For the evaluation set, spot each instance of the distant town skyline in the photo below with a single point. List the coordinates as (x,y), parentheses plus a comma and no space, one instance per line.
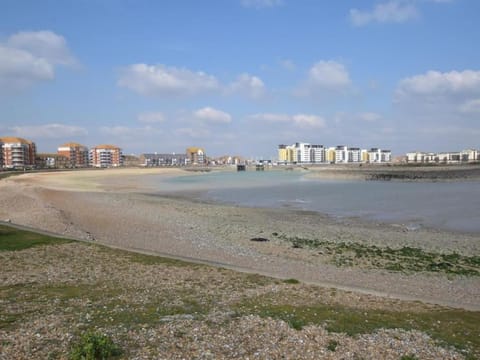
(240,77)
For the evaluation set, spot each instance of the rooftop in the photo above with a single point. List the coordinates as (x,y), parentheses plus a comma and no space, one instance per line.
(72,144)
(15,140)
(106,146)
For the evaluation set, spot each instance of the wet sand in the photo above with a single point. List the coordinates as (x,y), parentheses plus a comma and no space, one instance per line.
(114,207)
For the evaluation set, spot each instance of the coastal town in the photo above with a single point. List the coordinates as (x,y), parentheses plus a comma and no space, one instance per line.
(20,153)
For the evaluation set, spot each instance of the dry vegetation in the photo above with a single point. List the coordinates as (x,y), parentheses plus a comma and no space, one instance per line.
(53,292)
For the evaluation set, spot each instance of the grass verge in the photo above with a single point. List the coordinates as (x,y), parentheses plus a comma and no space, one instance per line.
(12,239)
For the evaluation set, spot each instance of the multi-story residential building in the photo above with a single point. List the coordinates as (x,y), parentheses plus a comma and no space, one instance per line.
(76,154)
(301,153)
(17,152)
(385,156)
(105,156)
(354,155)
(470,155)
(330,155)
(317,153)
(374,155)
(163,159)
(364,155)
(196,156)
(341,154)
(283,151)
(286,154)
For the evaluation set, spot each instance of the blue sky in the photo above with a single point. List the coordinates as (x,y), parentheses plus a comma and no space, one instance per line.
(241,76)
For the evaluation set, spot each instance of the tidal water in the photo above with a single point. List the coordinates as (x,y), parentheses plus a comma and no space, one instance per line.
(446,205)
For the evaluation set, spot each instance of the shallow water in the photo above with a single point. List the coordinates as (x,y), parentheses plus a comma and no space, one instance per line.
(446,205)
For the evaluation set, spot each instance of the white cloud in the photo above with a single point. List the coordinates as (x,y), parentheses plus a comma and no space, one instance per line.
(326,78)
(329,75)
(298,120)
(151,117)
(394,11)
(43,44)
(470,106)
(19,68)
(250,85)
(48,131)
(258,4)
(438,84)
(163,80)
(30,57)
(211,115)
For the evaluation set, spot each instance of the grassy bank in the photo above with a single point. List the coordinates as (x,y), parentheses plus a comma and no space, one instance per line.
(54,291)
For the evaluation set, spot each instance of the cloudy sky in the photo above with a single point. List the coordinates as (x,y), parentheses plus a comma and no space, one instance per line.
(241,76)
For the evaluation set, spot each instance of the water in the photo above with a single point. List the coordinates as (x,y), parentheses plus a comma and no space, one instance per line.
(446,205)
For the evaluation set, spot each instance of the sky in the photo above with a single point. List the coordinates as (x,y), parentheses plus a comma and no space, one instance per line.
(240,77)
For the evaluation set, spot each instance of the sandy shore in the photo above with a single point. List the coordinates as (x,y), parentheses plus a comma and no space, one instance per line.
(112,207)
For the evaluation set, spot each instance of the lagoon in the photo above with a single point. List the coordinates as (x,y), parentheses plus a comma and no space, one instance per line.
(445,205)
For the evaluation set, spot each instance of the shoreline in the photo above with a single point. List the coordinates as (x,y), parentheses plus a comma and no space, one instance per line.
(125,218)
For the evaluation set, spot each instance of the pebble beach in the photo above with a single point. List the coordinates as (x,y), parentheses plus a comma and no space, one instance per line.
(113,207)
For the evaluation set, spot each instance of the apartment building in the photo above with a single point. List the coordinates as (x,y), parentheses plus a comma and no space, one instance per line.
(286,154)
(17,153)
(341,154)
(105,156)
(76,154)
(354,155)
(196,156)
(465,156)
(156,159)
(317,153)
(376,155)
(301,153)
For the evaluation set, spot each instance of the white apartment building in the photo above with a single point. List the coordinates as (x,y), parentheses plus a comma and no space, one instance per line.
(302,151)
(318,154)
(374,155)
(341,154)
(354,155)
(470,155)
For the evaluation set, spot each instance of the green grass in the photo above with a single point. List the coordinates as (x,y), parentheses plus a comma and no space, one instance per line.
(291,281)
(93,345)
(408,357)
(12,239)
(6,174)
(458,328)
(406,259)
(332,345)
